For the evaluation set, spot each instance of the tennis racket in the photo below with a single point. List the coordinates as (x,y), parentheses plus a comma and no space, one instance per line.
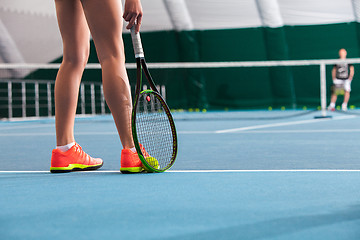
(153,127)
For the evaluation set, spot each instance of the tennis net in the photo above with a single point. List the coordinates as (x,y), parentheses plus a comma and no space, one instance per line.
(192,90)
(27,90)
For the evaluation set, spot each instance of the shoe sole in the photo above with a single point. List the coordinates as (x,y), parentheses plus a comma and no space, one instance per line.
(75,168)
(131,170)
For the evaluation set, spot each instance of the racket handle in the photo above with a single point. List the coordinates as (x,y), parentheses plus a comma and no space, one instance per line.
(136,40)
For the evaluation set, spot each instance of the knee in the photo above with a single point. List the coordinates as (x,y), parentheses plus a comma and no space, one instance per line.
(76,59)
(111,53)
(112,59)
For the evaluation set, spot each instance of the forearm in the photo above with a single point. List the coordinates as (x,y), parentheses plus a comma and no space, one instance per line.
(333,74)
(352,72)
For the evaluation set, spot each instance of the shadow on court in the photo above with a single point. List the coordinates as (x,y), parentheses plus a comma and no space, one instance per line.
(289,226)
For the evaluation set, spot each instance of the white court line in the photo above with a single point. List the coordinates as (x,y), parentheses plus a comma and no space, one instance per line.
(26,134)
(274,170)
(232,130)
(278,131)
(53,134)
(195,132)
(306,131)
(280,124)
(28,126)
(191,132)
(212,171)
(22,134)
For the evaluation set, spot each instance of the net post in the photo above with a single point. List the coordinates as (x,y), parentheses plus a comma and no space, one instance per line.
(49,99)
(323,91)
(163,92)
(82,98)
(37,105)
(10,100)
(92,94)
(23,99)
(102,100)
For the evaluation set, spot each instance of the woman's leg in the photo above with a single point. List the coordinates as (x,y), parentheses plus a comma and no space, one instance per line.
(75,35)
(76,43)
(105,23)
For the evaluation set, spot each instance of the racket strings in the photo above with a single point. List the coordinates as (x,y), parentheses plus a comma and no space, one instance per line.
(154,130)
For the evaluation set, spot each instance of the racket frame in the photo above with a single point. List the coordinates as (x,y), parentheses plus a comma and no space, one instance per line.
(141,67)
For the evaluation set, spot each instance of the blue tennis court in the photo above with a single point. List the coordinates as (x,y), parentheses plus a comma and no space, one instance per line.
(238,175)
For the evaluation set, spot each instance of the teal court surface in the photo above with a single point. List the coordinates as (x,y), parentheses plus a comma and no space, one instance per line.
(238,175)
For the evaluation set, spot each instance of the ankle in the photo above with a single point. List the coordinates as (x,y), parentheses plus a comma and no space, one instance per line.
(66,147)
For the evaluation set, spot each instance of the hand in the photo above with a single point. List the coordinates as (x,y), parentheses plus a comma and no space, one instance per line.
(133,14)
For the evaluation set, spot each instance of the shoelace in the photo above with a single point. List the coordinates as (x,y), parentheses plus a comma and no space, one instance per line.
(144,152)
(82,153)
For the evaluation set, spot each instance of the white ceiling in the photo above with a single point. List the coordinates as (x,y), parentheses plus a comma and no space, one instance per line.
(32,23)
(214,14)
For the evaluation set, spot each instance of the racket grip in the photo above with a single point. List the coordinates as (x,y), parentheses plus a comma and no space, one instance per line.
(136,40)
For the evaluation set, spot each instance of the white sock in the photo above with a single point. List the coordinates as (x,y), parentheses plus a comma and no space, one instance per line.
(133,149)
(332,104)
(344,105)
(65,147)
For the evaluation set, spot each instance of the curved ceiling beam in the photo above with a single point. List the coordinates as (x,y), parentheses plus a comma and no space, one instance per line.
(179,15)
(269,11)
(356,9)
(9,52)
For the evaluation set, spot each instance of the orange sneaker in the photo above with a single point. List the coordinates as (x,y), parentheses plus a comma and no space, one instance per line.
(130,162)
(75,159)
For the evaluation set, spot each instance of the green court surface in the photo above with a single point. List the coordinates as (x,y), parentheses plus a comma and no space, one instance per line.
(239,175)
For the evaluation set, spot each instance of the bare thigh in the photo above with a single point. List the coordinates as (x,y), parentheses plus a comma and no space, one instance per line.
(105,22)
(74,31)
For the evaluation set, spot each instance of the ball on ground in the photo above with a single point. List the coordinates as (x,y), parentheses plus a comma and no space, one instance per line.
(153,162)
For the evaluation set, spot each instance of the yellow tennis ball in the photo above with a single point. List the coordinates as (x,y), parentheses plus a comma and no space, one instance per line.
(270,108)
(282,108)
(153,162)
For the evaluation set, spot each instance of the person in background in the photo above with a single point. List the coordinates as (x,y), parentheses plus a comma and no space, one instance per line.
(342,75)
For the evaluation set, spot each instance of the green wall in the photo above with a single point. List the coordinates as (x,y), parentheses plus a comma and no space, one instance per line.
(253,87)
(247,88)
(240,88)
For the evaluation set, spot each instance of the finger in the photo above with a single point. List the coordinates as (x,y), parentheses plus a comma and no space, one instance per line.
(138,23)
(127,17)
(131,22)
